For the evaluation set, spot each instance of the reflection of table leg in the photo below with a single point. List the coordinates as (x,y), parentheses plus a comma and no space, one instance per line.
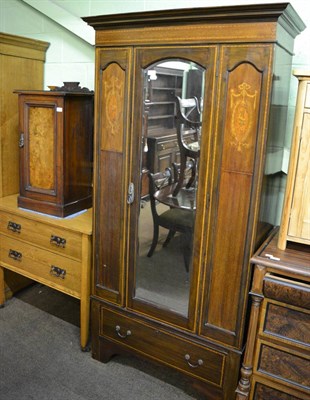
(2,288)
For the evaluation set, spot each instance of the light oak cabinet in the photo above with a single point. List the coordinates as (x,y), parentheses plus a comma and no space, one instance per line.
(55,252)
(295,222)
(192,321)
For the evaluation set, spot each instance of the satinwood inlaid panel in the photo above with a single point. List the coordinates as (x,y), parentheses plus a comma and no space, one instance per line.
(245,84)
(41,147)
(113,105)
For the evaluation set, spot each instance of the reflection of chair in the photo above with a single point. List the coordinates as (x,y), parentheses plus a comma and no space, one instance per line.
(173,219)
(186,109)
(189,173)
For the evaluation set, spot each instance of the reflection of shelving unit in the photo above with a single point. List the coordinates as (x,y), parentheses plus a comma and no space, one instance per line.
(162,97)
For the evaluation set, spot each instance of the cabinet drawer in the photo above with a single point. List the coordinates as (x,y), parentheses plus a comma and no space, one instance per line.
(287,323)
(171,144)
(287,291)
(52,238)
(193,359)
(41,265)
(277,362)
(263,392)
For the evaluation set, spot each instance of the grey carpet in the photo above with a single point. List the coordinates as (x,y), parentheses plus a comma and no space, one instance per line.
(40,358)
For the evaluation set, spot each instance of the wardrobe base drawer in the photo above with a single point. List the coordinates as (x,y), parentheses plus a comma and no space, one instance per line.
(43,266)
(191,358)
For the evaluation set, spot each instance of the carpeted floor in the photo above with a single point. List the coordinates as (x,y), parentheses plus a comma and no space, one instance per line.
(40,357)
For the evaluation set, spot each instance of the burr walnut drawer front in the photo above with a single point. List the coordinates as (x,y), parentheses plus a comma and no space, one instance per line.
(284,366)
(43,266)
(263,392)
(285,323)
(194,359)
(45,235)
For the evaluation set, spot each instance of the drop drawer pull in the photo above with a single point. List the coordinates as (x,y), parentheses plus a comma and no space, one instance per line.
(118,331)
(199,361)
(16,255)
(58,272)
(14,227)
(58,241)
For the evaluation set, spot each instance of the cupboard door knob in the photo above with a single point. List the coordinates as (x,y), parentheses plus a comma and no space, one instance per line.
(16,255)
(199,361)
(14,227)
(58,241)
(118,331)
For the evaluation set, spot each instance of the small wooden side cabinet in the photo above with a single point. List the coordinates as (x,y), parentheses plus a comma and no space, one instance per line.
(295,223)
(53,251)
(56,151)
(277,357)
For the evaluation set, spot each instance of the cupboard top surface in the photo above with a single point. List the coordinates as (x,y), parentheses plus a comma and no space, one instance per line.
(294,260)
(79,222)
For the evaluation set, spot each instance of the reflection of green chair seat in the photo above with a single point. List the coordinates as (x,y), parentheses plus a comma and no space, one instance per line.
(181,220)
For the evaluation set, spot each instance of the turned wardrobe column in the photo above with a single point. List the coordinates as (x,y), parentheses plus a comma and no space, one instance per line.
(257,297)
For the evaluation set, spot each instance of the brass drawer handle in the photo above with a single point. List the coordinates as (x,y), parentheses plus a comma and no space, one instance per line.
(58,272)
(199,361)
(14,227)
(118,331)
(58,241)
(16,255)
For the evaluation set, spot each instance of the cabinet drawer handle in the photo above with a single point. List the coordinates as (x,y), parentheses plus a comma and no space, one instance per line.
(58,272)
(16,255)
(14,227)
(118,331)
(58,241)
(199,361)
(162,147)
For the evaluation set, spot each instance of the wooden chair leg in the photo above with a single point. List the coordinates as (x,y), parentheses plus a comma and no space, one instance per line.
(181,175)
(154,242)
(169,237)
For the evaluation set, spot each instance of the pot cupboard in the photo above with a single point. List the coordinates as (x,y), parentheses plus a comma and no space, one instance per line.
(190,320)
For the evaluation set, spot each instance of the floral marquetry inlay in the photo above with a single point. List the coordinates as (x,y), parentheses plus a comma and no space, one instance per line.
(243,103)
(113,107)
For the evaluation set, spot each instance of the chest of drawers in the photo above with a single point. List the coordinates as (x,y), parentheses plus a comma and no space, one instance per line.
(277,359)
(53,251)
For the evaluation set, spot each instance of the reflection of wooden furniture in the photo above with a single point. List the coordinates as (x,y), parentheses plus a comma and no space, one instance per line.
(187,109)
(56,147)
(163,149)
(22,66)
(175,219)
(238,47)
(277,357)
(295,223)
(162,92)
(55,252)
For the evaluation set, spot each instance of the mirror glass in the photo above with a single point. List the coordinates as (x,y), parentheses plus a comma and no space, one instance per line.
(172,110)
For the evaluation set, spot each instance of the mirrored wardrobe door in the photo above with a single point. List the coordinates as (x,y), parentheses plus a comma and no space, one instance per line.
(168,129)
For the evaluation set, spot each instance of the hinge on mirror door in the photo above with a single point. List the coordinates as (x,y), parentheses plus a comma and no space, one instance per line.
(130,194)
(21,140)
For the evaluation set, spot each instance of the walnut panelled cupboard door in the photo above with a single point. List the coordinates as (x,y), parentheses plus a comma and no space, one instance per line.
(177,295)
